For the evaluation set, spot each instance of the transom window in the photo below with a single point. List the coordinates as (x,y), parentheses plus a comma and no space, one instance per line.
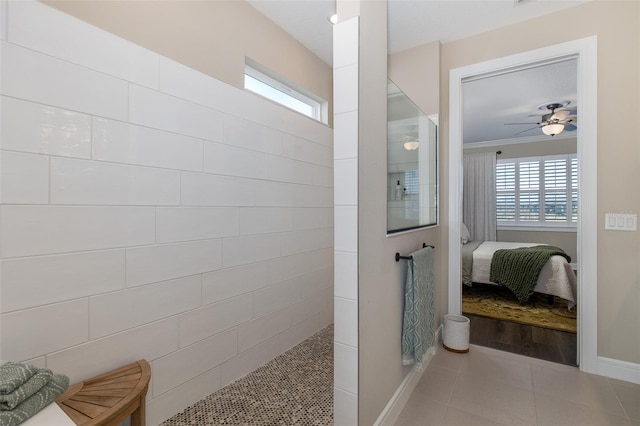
(537,192)
(266,83)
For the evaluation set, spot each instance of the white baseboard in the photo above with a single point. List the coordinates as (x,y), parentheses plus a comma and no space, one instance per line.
(397,402)
(616,369)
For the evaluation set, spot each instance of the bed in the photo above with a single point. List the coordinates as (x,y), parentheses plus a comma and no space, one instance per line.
(556,277)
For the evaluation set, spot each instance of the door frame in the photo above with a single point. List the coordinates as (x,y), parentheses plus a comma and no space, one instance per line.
(585,50)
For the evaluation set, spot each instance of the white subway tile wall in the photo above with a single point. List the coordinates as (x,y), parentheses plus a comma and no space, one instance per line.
(249,360)
(40,280)
(346,377)
(178,367)
(41,129)
(345,154)
(293,335)
(184,395)
(150,211)
(119,142)
(38,77)
(24,178)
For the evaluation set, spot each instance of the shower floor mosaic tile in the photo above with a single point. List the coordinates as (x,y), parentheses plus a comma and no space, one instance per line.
(296,388)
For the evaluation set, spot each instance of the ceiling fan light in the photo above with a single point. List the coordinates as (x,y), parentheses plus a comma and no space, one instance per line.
(552,129)
(560,115)
(411,145)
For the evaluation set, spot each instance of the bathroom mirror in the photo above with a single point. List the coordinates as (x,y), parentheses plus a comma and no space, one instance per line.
(412,164)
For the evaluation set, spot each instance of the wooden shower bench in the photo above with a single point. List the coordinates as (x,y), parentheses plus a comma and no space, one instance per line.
(109,398)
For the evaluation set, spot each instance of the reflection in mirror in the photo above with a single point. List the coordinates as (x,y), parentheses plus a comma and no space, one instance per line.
(412,187)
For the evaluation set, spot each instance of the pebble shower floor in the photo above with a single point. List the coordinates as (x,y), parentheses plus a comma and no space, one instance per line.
(295,388)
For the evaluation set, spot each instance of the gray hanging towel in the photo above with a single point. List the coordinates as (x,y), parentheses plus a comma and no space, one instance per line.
(418,333)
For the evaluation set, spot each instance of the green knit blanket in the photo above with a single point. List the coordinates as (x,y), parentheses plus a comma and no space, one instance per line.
(518,269)
(25,390)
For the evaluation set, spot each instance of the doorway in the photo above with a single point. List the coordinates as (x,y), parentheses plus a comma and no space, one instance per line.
(585,51)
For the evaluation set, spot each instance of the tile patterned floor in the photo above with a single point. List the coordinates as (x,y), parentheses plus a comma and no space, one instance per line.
(296,388)
(487,387)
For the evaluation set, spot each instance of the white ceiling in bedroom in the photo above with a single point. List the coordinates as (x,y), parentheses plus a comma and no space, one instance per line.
(490,103)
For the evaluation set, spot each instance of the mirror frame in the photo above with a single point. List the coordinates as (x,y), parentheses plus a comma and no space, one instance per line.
(406,114)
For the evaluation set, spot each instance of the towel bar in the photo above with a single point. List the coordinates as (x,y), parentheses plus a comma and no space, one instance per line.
(398,257)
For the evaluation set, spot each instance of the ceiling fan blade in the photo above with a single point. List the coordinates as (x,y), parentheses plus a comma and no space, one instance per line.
(560,115)
(517,124)
(525,131)
(569,127)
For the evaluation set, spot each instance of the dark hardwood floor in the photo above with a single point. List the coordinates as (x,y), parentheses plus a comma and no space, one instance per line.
(535,342)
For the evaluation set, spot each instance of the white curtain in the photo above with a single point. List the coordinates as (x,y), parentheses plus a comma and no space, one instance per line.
(479,196)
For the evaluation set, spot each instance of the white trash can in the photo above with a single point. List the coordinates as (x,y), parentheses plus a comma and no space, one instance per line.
(456,333)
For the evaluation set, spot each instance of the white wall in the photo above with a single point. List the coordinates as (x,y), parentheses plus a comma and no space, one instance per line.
(150,211)
(346,116)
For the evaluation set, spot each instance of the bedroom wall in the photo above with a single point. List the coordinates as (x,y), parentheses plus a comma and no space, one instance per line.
(148,210)
(565,240)
(616,25)
(210,36)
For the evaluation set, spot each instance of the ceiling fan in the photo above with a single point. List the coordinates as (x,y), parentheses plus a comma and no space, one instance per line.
(410,140)
(553,122)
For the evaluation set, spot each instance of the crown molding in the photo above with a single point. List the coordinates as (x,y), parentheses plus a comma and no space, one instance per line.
(514,141)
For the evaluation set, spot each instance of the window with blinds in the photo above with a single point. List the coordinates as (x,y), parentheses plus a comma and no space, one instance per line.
(537,191)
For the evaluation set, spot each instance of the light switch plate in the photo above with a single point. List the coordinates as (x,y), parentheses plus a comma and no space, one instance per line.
(621,221)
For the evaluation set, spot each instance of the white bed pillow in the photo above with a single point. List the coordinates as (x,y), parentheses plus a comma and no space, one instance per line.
(464,234)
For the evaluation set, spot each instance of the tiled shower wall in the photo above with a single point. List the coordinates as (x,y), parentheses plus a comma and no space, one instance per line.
(346,115)
(150,211)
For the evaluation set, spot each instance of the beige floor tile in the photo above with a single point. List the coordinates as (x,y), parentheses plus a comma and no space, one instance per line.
(493,400)
(552,411)
(446,359)
(495,352)
(421,411)
(436,383)
(578,387)
(455,417)
(629,396)
(554,366)
(492,365)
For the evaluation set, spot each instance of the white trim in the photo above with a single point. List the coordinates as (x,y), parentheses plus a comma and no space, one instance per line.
(585,50)
(408,231)
(514,141)
(455,190)
(621,370)
(400,397)
(525,228)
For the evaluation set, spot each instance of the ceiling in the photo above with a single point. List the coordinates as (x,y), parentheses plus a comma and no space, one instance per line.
(489,103)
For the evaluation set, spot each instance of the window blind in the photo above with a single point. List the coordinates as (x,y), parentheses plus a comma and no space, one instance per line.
(537,191)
